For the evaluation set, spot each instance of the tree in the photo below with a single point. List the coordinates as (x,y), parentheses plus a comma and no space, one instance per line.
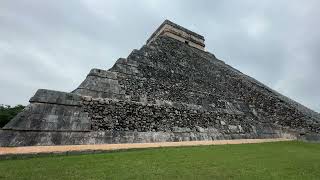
(7,113)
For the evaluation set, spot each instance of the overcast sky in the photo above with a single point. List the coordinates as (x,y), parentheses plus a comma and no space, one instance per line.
(54,44)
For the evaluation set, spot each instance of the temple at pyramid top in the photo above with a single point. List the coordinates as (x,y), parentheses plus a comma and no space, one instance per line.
(170,29)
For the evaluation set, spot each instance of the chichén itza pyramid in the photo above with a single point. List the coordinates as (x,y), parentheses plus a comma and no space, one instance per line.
(169,90)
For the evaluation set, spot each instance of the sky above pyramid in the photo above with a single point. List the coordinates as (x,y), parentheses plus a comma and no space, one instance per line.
(45,44)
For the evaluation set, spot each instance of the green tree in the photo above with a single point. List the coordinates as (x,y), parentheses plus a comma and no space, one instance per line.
(7,113)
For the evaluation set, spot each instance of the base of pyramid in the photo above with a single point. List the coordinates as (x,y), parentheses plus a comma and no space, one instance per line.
(46,138)
(59,118)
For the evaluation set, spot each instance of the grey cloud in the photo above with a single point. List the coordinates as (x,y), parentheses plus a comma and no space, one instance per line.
(50,44)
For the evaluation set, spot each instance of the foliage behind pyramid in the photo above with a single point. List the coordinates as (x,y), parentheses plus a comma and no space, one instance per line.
(169,90)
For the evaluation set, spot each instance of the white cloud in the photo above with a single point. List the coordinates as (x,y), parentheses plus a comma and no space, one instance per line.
(255,26)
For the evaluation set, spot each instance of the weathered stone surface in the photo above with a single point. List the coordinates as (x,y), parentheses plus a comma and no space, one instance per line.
(32,138)
(166,91)
(52,111)
(56,97)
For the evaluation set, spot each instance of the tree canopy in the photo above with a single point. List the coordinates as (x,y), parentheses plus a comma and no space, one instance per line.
(7,113)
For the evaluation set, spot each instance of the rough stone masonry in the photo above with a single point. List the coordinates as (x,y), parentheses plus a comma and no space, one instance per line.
(169,90)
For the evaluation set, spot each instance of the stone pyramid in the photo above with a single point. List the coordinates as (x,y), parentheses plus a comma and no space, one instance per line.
(169,90)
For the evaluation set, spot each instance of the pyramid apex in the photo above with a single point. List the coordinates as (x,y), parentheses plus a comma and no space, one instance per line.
(175,31)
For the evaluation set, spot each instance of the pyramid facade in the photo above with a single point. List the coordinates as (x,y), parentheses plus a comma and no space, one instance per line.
(168,90)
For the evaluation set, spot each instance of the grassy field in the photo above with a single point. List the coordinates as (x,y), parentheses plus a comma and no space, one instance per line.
(279,160)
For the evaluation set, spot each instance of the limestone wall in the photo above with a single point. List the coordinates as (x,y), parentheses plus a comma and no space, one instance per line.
(51,111)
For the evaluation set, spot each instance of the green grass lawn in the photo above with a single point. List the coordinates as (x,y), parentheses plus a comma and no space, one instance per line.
(279,160)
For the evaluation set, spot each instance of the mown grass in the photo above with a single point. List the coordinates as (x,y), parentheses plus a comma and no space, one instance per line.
(279,160)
